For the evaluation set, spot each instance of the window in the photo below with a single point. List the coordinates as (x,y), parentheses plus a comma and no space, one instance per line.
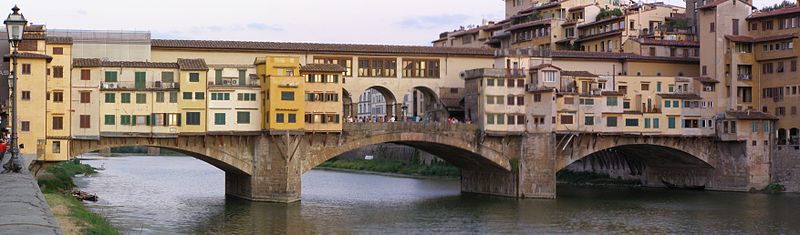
(626,104)
(735,25)
(109,120)
(173,97)
(58,50)
(86,74)
(219,119)
(246,96)
(588,120)
(287,95)
(611,101)
(125,120)
(194,77)
(279,118)
(125,98)
(632,122)
(58,71)
(110,76)
(199,95)
(58,123)
(652,51)
(159,97)
(667,104)
(56,146)
(111,98)
(243,117)
(58,96)
(537,98)
(704,71)
(711,27)
(26,68)
(374,67)
(566,119)
(187,95)
(85,121)
(421,68)
(611,121)
(141,98)
(549,76)
(346,63)
(489,118)
(656,123)
(587,102)
(193,118)
(645,86)
(141,120)
(671,122)
(793,65)
(292,118)
(691,123)
(26,95)
(167,76)
(86,96)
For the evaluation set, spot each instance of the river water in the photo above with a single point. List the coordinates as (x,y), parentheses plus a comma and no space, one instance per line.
(158,195)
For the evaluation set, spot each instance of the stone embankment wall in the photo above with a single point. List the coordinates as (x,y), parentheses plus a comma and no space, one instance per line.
(786,167)
(23,209)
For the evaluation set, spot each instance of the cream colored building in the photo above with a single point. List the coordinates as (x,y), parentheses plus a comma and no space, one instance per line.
(234,99)
(495,100)
(323,97)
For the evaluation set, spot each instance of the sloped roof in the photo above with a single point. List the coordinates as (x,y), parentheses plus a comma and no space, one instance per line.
(680,96)
(192,64)
(58,40)
(578,74)
(751,115)
(318,47)
(540,66)
(326,68)
(705,79)
(684,43)
(87,63)
(745,38)
(776,12)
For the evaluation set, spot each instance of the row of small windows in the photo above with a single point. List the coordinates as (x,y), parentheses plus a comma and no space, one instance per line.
(512,100)
(322,97)
(767,68)
(322,78)
(654,123)
(500,119)
(505,82)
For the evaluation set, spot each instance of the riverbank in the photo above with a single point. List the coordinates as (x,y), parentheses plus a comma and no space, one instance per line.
(393,168)
(72,215)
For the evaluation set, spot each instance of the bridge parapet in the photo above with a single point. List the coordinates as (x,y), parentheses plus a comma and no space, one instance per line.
(391,127)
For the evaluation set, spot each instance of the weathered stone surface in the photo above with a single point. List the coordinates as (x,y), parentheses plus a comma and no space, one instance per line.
(786,167)
(23,209)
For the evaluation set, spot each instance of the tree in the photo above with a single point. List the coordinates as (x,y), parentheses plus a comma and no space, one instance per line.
(777,6)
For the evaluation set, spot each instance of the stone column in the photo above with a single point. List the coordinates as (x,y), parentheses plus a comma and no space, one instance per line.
(537,167)
(276,171)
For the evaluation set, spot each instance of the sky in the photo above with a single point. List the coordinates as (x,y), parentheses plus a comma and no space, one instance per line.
(402,22)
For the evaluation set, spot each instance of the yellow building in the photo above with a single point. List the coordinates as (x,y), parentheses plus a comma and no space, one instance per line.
(323,97)
(193,81)
(234,99)
(58,99)
(283,109)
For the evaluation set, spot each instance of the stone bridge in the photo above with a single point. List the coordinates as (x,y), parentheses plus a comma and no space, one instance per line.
(266,167)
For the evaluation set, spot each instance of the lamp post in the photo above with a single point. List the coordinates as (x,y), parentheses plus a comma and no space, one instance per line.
(15,25)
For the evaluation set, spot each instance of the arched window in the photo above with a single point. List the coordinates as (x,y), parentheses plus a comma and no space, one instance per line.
(794,136)
(781,136)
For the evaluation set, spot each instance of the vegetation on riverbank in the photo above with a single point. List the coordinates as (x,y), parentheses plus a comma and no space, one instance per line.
(591,178)
(72,215)
(436,169)
(774,188)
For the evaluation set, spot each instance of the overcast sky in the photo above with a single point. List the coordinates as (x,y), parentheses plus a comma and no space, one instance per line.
(406,22)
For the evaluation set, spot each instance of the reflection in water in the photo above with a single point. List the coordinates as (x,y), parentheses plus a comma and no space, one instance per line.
(184,195)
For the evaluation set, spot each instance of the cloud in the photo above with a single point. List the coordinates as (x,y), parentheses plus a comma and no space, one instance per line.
(81,12)
(433,21)
(264,27)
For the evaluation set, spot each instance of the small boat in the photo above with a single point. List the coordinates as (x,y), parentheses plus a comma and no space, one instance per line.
(683,187)
(84,196)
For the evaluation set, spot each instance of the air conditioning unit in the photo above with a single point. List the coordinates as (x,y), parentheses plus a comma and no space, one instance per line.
(168,85)
(110,85)
(235,82)
(158,84)
(708,88)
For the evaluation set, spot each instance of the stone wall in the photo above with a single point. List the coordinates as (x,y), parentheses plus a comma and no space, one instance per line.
(786,167)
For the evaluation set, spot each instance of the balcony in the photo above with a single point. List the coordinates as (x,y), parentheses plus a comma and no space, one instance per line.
(745,77)
(234,83)
(133,86)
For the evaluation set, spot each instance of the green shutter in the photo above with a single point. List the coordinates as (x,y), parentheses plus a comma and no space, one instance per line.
(109,120)
(655,123)
(243,117)
(110,98)
(218,76)
(141,80)
(111,76)
(671,123)
(219,119)
(125,98)
(242,77)
(147,120)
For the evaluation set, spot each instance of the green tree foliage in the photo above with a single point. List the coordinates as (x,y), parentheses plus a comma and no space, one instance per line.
(605,13)
(777,6)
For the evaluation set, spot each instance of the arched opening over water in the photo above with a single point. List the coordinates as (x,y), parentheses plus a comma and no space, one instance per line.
(424,102)
(649,165)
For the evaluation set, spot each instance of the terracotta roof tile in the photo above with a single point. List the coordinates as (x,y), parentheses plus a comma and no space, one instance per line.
(529,24)
(325,68)
(318,47)
(705,79)
(34,28)
(751,115)
(29,55)
(680,96)
(602,35)
(192,64)
(540,66)
(577,74)
(575,8)
(602,21)
(777,12)
(59,40)
(744,38)
(612,93)
(86,63)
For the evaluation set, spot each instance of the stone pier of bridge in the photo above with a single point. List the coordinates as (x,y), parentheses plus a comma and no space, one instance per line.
(269,166)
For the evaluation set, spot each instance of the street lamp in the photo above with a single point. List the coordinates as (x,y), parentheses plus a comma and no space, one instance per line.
(15,25)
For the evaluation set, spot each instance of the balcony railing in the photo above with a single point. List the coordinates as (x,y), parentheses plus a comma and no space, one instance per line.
(745,77)
(127,85)
(234,82)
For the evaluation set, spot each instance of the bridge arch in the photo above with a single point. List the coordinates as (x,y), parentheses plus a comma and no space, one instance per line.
(231,154)
(452,143)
